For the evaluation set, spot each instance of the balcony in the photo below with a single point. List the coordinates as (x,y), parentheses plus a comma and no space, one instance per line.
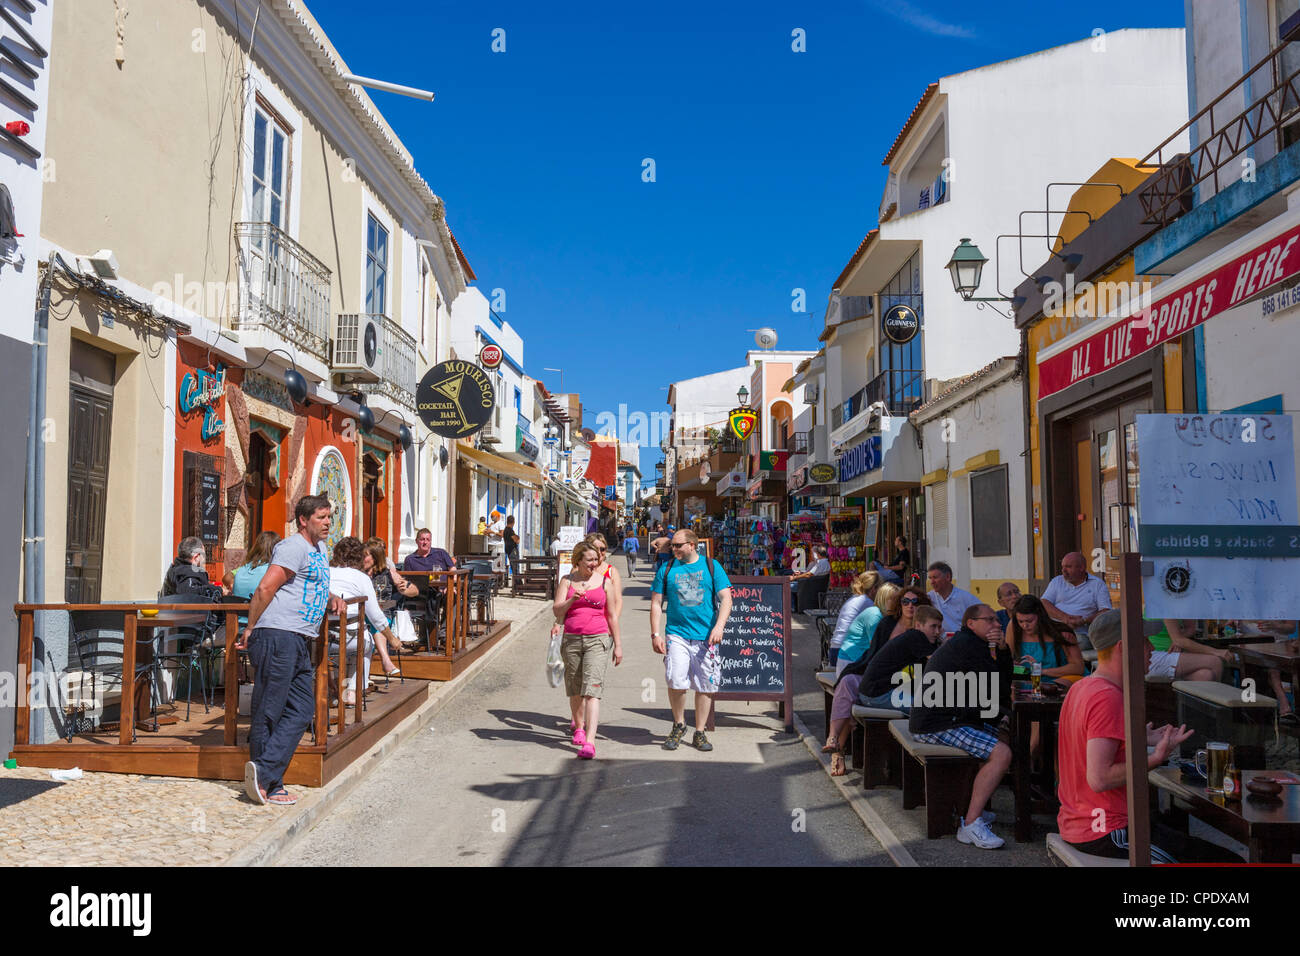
(797,443)
(282,288)
(1224,134)
(398,379)
(899,390)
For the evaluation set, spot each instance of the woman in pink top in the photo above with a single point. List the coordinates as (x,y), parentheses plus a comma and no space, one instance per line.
(590,618)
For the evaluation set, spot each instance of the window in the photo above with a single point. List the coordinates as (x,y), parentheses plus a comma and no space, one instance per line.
(990,514)
(270,166)
(518,403)
(376,267)
(939,508)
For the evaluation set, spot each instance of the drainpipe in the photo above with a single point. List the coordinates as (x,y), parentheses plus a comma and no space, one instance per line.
(34,523)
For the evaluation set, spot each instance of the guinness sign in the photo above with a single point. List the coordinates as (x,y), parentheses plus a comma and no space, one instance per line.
(900,324)
(455,399)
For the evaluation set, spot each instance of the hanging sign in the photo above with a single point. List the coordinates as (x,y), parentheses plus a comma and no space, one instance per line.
(742,421)
(455,399)
(823,474)
(773,460)
(203,389)
(489,356)
(1219,516)
(900,324)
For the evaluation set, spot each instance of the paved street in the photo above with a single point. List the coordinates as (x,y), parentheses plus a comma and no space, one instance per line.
(494,780)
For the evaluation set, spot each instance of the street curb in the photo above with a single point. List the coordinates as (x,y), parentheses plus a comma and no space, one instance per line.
(858,801)
(264,849)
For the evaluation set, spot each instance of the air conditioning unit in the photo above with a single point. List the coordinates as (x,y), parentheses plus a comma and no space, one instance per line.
(357,339)
(812,393)
(490,434)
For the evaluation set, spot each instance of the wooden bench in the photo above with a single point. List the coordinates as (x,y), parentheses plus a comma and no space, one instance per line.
(827,680)
(1070,856)
(881,759)
(937,776)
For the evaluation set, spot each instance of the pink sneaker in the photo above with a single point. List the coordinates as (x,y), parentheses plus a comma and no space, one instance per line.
(587,752)
(579,737)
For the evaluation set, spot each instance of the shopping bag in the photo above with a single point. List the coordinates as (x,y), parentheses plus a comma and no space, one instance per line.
(404,627)
(554,662)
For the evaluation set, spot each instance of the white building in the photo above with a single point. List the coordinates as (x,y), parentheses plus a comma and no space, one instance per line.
(953,174)
(976,519)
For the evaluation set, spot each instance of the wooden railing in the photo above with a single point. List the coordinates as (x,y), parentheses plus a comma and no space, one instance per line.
(130,619)
(455,586)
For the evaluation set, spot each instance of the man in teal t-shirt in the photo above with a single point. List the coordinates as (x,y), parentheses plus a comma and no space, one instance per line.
(698,605)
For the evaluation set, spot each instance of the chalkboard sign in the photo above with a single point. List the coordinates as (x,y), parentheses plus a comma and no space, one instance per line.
(209,506)
(756,644)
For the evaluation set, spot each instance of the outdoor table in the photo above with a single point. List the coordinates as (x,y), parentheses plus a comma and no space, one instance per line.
(1270,830)
(145,640)
(1025,711)
(1282,655)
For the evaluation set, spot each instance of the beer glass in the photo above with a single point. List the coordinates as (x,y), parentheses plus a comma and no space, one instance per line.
(1036,677)
(1215,755)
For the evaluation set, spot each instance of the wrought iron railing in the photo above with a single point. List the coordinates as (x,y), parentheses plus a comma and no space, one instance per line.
(282,287)
(900,391)
(797,443)
(1224,132)
(398,379)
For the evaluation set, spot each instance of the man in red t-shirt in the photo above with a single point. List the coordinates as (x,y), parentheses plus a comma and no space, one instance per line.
(1093,785)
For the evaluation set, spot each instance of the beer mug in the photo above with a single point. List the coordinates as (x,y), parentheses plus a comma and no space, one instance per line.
(1216,757)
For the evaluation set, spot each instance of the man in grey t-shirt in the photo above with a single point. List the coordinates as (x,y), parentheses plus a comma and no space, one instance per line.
(285,612)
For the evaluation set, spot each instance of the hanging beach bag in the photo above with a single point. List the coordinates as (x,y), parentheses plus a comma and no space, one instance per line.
(554,662)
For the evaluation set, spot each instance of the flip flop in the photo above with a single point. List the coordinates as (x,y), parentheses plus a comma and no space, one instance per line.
(281,797)
(255,793)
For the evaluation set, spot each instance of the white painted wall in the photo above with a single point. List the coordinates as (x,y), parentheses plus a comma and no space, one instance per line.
(992,421)
(1012,128)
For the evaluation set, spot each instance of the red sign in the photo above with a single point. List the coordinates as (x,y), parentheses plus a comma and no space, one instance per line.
(490,356)
(1173,313)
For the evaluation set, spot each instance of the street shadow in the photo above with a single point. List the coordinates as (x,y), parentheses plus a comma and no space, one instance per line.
(14,792)
(553,730)
(693,811)
(722,719)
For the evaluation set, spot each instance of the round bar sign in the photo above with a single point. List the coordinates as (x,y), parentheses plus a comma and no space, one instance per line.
(900,323)
(455,399)
(490,356)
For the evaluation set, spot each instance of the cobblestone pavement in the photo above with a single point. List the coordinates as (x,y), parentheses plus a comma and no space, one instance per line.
(113,819)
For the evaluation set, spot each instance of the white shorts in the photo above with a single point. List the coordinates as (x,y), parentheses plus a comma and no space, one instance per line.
(692,665)
(1163,663)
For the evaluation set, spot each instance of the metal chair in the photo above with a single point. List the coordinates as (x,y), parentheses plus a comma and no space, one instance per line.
(193,649)
(98,641)
(482,588)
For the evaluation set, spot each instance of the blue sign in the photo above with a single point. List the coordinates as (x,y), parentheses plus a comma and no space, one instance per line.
(861,459)
(610,493)
(203,389)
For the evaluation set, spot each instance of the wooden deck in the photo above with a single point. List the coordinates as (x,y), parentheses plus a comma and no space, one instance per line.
(441,667)
(196,748)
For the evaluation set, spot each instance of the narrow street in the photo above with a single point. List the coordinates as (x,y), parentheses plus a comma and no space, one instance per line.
(494,779)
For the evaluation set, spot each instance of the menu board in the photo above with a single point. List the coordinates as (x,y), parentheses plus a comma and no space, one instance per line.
(756,644)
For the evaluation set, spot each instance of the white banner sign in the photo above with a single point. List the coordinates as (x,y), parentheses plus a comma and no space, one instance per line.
(1225,481)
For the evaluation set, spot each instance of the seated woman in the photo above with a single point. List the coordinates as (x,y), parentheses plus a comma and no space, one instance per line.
(243,581)
(909,601)
(349,580)
(387,580)
(856,641)
(879,687)
(1175,654)
(864,595)
(1034,638)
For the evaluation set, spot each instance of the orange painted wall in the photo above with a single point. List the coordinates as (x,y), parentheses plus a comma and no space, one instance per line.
(189,438)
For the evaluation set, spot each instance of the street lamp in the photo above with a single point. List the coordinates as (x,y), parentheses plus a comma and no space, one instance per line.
(966,266)
(742,396)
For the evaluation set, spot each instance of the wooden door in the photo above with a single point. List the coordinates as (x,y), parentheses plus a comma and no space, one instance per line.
(90,427)
(1084,507)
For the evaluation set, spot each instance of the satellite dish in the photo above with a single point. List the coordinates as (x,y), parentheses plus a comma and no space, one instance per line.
(765,338)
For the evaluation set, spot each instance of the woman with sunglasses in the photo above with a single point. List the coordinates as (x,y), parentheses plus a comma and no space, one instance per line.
(892,626)
(1034,638)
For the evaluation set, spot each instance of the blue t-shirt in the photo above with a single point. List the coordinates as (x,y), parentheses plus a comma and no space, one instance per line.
(687,602)
(247,578)
(299,605)
(631,546)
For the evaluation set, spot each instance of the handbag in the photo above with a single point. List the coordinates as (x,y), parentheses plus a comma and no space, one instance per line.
(554,662)
(404,627)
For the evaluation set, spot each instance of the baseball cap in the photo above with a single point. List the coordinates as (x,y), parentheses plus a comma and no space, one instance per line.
(1105,630)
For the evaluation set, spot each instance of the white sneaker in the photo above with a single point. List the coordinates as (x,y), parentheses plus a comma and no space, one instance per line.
(979,834)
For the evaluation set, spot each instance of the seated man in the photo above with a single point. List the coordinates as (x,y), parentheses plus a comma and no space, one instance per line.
(1175,654)
(947,597)
(976,726)
(186,574)
(1092,763)
(426,557)
(896,569)
(818,576)
(1074,597)
(1008,595)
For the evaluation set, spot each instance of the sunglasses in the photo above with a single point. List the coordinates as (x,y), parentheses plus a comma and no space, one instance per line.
(911,600)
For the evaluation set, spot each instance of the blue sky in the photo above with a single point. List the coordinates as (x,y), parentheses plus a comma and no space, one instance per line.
(767,161)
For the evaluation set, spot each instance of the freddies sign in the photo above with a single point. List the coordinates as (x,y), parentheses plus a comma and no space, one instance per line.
(860,459)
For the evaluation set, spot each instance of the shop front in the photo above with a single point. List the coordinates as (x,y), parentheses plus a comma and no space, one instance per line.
(493,483)
(883,470)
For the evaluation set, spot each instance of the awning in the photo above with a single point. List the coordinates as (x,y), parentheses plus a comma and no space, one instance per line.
(501,466)
(1235,274)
